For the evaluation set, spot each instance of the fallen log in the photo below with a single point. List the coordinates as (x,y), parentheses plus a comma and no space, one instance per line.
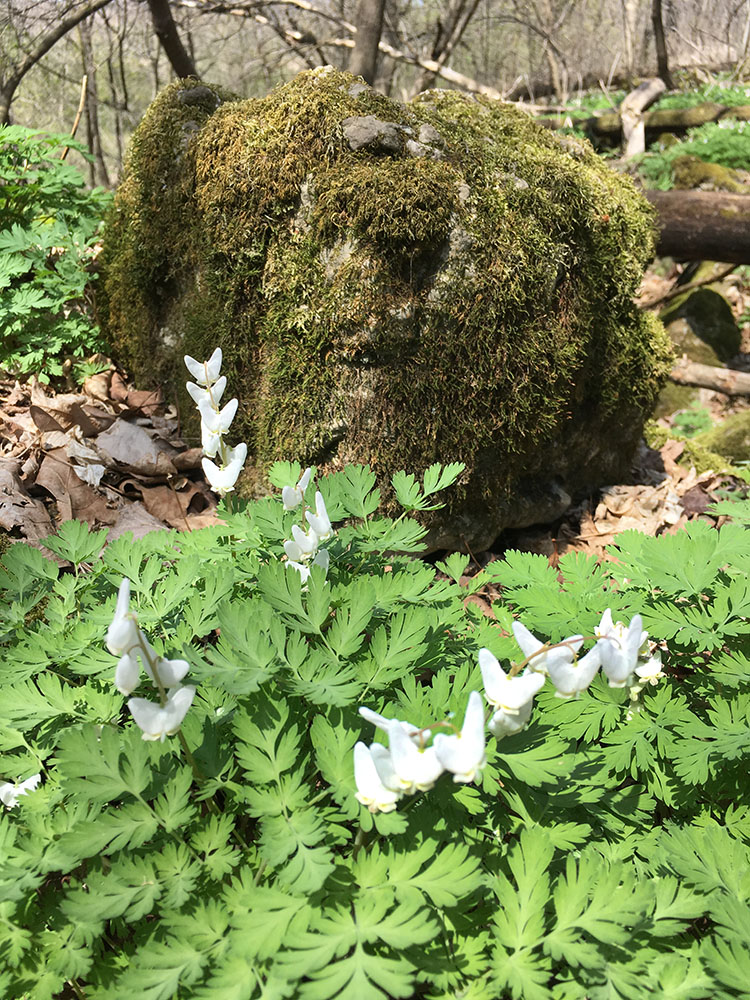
(726,380)
(702,225)
(608,124)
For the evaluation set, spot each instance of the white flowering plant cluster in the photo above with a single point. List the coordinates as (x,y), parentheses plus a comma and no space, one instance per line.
(375,784)
(412,764)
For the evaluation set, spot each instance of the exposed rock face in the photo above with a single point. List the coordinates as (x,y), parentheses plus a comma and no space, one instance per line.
(395,285)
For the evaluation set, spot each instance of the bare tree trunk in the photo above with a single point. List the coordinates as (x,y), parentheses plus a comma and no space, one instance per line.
(662,60)
(97,168)
(44,43)
(364,58)
(166,32)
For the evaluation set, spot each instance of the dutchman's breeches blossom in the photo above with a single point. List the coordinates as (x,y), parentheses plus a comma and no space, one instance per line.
(463,753)
(221,475)
(619,647)
(11,791)
(511,694)
(319,521)
(292,496)
(160,721)
(416,768)
(371,791)
(540,658)
(126,640)
(572,678)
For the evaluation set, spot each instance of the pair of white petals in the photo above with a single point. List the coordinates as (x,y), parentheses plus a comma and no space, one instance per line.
(205,373)
(222,479)
(620,647)
(11,791)
(210,395)
(156,722)
(292,496)
(128,670)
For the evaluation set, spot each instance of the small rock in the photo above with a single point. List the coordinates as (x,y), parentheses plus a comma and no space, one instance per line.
(430,136)
(369,133)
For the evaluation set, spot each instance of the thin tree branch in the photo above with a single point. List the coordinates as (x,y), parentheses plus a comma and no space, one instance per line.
(42,47)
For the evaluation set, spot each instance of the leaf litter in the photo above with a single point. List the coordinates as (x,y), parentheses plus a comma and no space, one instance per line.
(110,455)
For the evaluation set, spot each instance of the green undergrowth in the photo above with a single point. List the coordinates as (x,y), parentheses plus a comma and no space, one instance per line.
(725,144)
(604,855)
(49,226)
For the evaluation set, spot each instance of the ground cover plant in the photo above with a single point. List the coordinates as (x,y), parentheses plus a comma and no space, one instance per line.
(237,838)
(726,143)
(50,225)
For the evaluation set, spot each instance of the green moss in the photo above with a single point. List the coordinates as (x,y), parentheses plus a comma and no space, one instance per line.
(730,438)
(465,304)
(696,452)
(690,172)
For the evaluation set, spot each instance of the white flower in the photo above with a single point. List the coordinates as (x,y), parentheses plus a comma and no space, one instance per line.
(572,678)
(371,791)
(158,722)
(619,647)
(417,768)
(508,693)
(384,765)
(382,723)
(463,754)
(210,442)
(322,559)
(127,673)
(205,372)
(222,480)
(212,395)
(236,454)
(651,670)
(10,791)
(505,723)
(319,521)
(301,547)
(170,672)
(123,632)
(540,661)
(292,496)
(217,421)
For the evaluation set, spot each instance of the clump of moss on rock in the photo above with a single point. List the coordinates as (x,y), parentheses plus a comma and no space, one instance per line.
(393,284)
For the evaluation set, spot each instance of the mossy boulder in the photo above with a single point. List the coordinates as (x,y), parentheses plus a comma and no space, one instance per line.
(701,324)
(392,284)
(690,172)
(730,438)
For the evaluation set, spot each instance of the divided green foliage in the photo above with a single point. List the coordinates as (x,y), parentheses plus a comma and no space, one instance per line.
(604,854)
(50,225)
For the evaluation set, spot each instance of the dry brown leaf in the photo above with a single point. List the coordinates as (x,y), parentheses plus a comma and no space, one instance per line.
(66,410)
(75,499)
(148,401)
(134,517)
(18,511)
(188,460)
(173,504)
(133,448)
(97,386)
